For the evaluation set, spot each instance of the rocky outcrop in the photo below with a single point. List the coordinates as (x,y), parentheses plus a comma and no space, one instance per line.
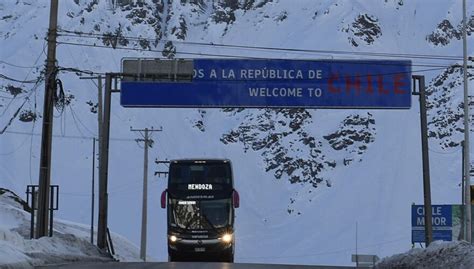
(445,32)
(446,108)
(199,123)
(13,90)
(290,150)
(365,29)
(354,134)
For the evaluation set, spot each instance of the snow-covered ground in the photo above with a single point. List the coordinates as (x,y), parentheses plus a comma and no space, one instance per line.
(439,255)
(70,243)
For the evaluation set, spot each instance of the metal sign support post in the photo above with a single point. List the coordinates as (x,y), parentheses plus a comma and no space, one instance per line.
(104,165)
(32,191)
(425,157)
(164,74)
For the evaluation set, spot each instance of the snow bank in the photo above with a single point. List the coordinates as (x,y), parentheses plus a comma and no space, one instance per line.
(70,243)
(442,255)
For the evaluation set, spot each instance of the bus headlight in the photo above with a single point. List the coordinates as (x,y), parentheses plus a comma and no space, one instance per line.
(173,238)
(227,238)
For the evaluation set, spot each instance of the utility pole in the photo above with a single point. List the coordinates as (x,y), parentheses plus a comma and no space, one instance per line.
(148,143)
(99,111)
(467,162)
(425,160)
(462,235)
(46,137)
(467,159)
(92,193)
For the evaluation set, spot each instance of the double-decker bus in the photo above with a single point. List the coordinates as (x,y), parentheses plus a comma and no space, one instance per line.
(200,201)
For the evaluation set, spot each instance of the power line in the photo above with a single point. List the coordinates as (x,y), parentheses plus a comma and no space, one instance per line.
(7,97)
(70,136)
(33,90)
(146,50)
(24,81)
(435,68)
(342,77)
(8,106)
(19,108)
(79,34)
(75,123)
(18,80)
(19,66)
(15,149)
(13,117)
(75,117)
(431,66)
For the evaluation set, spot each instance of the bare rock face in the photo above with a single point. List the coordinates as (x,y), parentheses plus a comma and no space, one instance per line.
(446,109)
(289,149)
(199,123)
(167,20)
(354,134)
(364,29)
(279,136)
(225,11)
(445,32)
(14,91)
(181,29)
(138,13)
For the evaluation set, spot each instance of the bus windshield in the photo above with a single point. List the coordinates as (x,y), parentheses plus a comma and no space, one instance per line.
(185,173)
(201,214)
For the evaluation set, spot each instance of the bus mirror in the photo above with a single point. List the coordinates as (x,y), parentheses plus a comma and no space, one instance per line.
(236,199)
(163,199)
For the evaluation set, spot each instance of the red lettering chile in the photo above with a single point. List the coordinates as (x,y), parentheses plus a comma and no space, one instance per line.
(368,84)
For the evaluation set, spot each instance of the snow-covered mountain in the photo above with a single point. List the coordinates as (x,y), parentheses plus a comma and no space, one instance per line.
(307,178)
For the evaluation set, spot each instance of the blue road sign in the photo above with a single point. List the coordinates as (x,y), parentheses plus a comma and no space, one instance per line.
(280,83)
(442,220)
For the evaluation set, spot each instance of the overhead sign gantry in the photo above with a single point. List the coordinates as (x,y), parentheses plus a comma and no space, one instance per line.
(252,83)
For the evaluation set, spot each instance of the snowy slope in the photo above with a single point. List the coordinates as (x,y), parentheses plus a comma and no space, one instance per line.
(438,255)
(312,220)
(70,241)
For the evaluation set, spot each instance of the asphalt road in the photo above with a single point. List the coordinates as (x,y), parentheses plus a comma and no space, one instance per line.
(187,265)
